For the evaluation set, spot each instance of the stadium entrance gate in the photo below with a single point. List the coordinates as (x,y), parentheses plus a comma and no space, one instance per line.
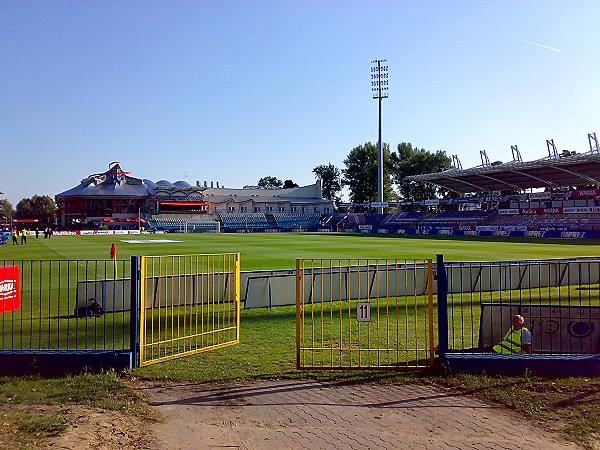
(364,314)
(188,304)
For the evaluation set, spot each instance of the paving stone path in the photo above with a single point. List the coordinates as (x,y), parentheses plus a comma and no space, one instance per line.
(325,415)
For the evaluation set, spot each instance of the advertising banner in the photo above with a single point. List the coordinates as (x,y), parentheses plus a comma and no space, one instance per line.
(540,196)
(508,211)
(10,293)
(530,211)
(487,228)
(581,210)
(586,193)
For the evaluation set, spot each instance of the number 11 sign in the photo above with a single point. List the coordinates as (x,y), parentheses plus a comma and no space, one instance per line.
(363,312)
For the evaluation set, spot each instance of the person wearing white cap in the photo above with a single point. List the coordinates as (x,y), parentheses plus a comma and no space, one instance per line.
(516,340)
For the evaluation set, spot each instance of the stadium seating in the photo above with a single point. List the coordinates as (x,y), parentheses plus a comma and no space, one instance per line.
(403,218)
(189,223)
(244,220)
(297,220)
(570,222)
(452,219)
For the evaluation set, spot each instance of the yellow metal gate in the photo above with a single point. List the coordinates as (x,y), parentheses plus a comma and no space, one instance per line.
(364,314)
(188,304)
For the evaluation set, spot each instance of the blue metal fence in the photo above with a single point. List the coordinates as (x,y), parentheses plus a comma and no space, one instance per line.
(59,321)
(559,300)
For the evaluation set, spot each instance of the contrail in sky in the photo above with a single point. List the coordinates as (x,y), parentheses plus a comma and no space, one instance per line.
(537,44)
(525,41)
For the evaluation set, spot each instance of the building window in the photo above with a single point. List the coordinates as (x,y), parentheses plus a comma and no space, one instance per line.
(293,209)
(231,208)
(281,208)
(269,209)
(257,209)
(242,209)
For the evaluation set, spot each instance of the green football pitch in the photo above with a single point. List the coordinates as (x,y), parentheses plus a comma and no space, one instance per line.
(267,346)
(279,250)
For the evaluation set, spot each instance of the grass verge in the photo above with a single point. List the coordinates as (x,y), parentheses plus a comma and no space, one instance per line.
(32,409)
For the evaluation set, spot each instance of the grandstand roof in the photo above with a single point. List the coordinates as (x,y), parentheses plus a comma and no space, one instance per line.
(112,183)
(577,170)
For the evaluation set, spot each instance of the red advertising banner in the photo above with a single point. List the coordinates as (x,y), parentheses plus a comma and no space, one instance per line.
(530,211)
(586,193)
(10,293)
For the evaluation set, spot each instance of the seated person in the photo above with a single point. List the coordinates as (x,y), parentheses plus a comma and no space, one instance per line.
(516,340)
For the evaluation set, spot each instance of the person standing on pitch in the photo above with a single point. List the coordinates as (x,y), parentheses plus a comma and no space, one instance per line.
(23,236)
(516,340)
(14,234)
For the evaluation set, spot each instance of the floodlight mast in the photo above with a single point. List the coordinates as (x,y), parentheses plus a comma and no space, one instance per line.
(379,89)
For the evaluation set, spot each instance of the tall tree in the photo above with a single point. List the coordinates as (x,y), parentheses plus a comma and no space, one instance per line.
(6,209)
(270,183)
(40,207)
(331,181)
(360,173)
(288,184)
(409,160)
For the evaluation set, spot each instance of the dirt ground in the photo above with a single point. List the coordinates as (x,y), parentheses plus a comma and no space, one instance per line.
(102,429)
(323,415)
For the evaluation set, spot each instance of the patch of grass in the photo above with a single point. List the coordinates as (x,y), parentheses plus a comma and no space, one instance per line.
(39,425)
(104,391)
(29,430)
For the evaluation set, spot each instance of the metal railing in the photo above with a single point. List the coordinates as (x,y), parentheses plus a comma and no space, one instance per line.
(559,300)
(188,304)
(364,314)
(45,305)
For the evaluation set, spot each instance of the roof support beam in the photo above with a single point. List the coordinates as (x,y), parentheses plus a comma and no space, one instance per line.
(546,182)
(458,180)
(497,180)
(442,186)
(585,177)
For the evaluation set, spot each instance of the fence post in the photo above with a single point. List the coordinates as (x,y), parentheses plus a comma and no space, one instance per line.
(299,281)
(442,304)
(133,316)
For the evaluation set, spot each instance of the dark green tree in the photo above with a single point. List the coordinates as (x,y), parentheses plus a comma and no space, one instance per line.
(288,184)
(331,181)
(360,173)
(40,207)
(409,160)
(270,183)
(7,211)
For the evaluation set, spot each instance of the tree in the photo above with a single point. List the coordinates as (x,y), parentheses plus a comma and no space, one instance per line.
(331,181)
(288,184)
(360,173)
(270,183)
(409,160)
(40,207)
(6,210)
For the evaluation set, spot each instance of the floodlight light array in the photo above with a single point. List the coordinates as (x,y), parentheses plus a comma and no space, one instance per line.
(379,78)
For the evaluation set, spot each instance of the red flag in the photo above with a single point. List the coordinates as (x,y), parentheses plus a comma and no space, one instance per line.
(113,251)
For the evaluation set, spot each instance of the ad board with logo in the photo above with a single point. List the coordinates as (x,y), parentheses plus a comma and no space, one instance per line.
(10,293)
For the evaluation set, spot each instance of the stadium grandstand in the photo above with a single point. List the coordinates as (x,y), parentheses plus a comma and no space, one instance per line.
(556,196)
(115,199)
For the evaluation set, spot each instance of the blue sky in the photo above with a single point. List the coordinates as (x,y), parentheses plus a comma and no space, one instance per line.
(236,90)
